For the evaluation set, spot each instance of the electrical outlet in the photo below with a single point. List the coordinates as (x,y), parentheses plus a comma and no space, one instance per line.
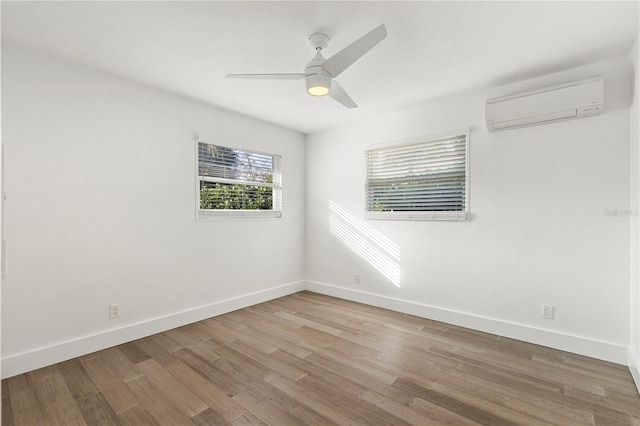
(114,311)
(356,278)
(547,311)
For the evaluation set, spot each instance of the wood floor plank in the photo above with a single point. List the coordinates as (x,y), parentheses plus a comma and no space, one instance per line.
(263,410)
(521,407)
(310,324)
(348,380)
(505,374)
(333,321)
(136,416)
(248,420)
(158,347)
(396,409)
(533,390)
(165,342)
(309,398)
(622,406)
(4,389)
(259,313)
(261,342)
(492,395)
(179,394)
(195,344)
(207,370)
(157,404)
(76,379)
(27,410)
(361,410)
(209,417)
(437,415)
(56,400)
(272,363)
(119,363)
(310,417)
(112,388)
(594,378)
(336,361)
(451,404)
(133,353)
(281,341)
(252,314)
(296,342)
(241,368)
(313,359)
(208,391)
(501,406)
(530,370)
(218,333)
(97,411)
(7,412)
(224,320)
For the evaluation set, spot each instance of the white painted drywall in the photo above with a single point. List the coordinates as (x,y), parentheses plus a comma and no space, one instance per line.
(99,174)
(634,113)
(539,231)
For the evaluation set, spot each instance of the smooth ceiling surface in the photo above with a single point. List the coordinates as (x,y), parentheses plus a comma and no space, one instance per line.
(433,49)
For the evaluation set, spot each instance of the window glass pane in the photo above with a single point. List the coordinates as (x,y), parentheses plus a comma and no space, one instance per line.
(231,179)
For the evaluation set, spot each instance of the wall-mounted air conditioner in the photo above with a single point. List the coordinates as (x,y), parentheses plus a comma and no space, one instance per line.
(557,103)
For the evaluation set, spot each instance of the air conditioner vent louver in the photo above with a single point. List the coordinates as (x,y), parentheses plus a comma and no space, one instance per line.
(558,103)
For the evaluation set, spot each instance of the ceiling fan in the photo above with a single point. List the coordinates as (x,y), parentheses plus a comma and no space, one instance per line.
(319,74)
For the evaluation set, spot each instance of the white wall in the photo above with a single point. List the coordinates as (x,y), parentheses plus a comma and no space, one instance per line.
(99,174)
(538,232)
(634,346)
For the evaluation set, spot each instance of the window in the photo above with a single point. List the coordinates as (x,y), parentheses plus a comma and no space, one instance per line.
(236,182)
(425,178)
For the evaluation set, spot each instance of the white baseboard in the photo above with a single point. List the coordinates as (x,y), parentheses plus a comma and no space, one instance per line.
(566,342)
(41,357)
(634,367)
(28,361)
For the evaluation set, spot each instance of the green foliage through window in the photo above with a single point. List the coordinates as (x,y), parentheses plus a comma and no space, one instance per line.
(217,196)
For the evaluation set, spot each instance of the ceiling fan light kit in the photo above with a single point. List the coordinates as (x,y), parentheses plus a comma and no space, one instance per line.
(318,84)
(320,74)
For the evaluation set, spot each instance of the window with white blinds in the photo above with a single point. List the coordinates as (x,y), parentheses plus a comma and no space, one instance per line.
(236,182)
(425,178)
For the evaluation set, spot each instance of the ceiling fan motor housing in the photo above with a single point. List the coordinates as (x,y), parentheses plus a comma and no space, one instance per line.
(318,80)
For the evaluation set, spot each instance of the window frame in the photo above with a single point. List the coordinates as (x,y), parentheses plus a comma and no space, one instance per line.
(462,215)
(204,215)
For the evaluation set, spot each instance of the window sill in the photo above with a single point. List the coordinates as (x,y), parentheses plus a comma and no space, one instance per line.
(221,215)
(450,216)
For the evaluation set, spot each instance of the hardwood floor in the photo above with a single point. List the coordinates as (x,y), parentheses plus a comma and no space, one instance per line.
(317,360)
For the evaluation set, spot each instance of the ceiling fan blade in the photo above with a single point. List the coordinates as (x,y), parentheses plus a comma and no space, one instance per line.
(291,76)
(338,93)
(347,56)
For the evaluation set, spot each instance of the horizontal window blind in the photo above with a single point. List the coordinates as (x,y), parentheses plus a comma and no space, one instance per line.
(217,161)
(236,179)
(427,176)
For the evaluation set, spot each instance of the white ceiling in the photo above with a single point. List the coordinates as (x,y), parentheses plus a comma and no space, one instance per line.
(434,48)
